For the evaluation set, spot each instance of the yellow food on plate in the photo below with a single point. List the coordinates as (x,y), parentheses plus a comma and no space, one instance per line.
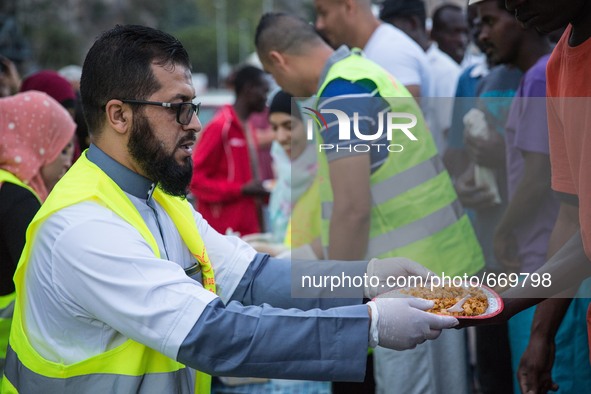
(445,297)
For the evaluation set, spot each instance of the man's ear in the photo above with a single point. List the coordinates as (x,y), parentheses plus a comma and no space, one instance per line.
(415,23)
(278,59)
(351,6)
(119,116)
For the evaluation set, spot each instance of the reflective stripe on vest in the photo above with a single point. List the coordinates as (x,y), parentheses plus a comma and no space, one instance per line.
(417,230)
(414,231)
(28,381)
(7,301)
(7,305)
(415,212)
(130,364)
(6,312)
(398,184)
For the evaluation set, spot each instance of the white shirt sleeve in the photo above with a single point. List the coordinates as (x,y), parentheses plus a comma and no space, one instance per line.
(229,255)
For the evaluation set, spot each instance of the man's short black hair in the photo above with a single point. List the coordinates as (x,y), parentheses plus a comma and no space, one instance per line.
(438,23)
(403,8)
(118,66)
(500,4)
(278,31)
(247,75)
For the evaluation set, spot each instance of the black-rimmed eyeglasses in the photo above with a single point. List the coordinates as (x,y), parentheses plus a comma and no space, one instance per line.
(184,111)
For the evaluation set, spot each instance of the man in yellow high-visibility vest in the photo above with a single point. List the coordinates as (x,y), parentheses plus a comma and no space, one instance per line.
(115,290)
(384,191)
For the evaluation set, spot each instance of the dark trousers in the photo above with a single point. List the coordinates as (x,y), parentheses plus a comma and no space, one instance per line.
(493,357)
(368,386)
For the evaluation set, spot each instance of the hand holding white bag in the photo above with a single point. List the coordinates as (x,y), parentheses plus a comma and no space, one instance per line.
(475,125)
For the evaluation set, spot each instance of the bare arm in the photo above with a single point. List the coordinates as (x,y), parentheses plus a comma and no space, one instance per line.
(456,161)
(349,225)
(525,201)
(524,204)
(535,368)
(534,373)
(567,268)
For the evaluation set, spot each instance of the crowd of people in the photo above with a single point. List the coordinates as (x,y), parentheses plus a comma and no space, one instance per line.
(141,251)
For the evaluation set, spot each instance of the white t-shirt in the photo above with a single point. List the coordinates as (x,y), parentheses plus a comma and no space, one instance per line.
(444,72)
(109,286)
(438,107)
(400,55)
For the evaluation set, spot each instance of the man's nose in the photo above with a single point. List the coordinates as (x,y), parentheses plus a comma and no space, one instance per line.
(483,34)
(319,24)
(194,124)
(282,136)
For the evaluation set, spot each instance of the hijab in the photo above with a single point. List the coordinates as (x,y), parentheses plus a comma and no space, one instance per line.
(34,129)
(294,177)
(53,84)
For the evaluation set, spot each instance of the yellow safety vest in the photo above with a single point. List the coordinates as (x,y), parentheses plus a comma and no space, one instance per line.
(131,367)
(6,311)
(7,301)
(415,210)
(305,220)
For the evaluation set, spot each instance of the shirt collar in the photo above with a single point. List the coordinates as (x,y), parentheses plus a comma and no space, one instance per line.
(129,181)
(337,56)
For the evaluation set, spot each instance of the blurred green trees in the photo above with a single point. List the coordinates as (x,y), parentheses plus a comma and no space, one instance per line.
(60,32)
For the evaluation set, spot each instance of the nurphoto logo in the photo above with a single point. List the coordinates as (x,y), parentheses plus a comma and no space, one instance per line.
(388,122)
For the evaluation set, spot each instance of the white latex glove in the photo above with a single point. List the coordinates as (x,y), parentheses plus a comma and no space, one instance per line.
(390,267)
(402,323)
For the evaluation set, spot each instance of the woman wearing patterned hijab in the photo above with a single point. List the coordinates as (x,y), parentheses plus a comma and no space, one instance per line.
(35,151)
(34,132)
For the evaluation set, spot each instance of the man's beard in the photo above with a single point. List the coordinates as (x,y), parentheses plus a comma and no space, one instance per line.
(158,166)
